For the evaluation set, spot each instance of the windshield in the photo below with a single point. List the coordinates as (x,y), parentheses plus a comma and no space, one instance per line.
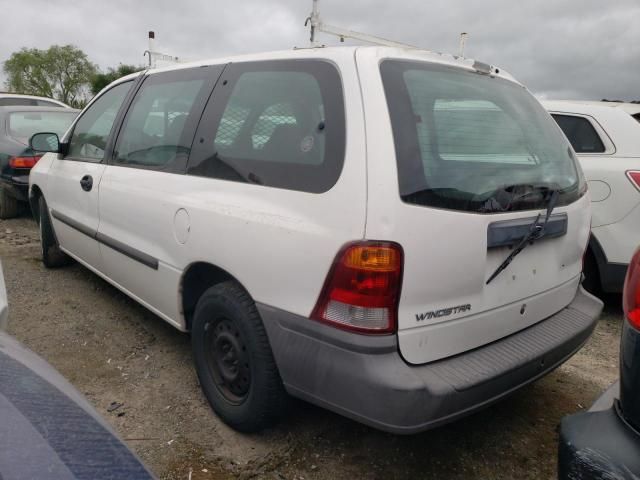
(473,142)
(22,125)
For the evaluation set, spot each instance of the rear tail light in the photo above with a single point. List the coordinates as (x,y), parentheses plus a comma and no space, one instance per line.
(362,290)
(631,295)
(634,176)
(24,162)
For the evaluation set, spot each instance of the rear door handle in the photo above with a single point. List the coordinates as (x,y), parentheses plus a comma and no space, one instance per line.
(86,183)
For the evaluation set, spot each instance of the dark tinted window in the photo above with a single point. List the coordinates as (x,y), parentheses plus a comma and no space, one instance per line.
(636,116)
(44,103)
(91,132)
(155,132)
(473,142)
(581,134)
(17,101)
(278,124)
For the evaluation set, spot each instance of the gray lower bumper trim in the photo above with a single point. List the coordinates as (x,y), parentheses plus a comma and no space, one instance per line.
(365,378)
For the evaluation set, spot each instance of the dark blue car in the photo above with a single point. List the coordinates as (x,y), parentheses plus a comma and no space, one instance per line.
(48,430)
(604,443)
(17,125)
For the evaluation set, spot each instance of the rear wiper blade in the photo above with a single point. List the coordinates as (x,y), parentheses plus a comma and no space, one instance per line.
(503,199)
(536,231)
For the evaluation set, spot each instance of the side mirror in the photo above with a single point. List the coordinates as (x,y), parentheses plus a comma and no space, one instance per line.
(45,142)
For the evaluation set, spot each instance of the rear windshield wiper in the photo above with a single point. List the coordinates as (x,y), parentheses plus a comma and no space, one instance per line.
(536,231)
(503,199)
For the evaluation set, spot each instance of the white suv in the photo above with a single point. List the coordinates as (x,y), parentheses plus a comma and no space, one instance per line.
(606,138)
(3,302)
(392,234)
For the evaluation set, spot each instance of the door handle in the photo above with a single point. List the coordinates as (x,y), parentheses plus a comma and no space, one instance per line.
(86,183)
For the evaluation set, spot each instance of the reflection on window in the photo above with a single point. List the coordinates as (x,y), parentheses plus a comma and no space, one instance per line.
(277,124)
(154,125)
(91,133)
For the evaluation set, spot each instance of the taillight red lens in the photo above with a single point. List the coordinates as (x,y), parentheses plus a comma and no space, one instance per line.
(634,176)
(362,290)
(24,162)
(631,295)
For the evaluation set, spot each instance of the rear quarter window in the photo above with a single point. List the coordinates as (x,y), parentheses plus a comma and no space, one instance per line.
(580,133)
(276,124)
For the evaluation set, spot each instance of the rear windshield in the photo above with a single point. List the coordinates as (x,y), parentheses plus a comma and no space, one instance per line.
(473,142)
(22,125)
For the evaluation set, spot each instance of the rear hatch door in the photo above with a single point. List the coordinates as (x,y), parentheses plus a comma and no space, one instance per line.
(477,160)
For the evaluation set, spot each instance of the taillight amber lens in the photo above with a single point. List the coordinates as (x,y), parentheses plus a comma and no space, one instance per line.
(362,291)
(24,162)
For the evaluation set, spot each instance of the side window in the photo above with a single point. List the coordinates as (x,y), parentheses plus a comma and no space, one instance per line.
(91,132)
(278,124)
(18,102)
(44,103)
(155,132)
(581,134)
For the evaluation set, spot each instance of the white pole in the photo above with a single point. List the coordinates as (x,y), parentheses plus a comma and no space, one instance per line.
(463,41)
(315,21)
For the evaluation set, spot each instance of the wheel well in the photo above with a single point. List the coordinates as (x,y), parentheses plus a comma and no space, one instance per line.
(597,254)
(196,280)
(34,196)
(590,258)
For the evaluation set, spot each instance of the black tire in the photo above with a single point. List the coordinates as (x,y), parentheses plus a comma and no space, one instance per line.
(233,358)
(52,256)
(591,282)
(9,207)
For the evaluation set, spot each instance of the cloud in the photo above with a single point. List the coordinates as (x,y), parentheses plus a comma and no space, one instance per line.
(564,49)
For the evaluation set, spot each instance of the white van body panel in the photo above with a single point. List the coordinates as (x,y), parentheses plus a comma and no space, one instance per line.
(278,243)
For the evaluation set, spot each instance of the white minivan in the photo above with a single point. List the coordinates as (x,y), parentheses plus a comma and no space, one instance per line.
(392,234)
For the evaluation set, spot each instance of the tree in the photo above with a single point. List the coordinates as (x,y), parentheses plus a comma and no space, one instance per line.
(60,72)
(101,80)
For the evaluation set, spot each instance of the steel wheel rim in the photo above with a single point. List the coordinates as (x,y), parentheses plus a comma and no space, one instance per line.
(228,359)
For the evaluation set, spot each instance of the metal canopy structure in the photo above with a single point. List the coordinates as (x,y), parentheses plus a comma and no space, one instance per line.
(154,56)
(317,25)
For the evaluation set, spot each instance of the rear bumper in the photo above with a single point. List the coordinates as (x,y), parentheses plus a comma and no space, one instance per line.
(599,444)
(17,187)
(366,379)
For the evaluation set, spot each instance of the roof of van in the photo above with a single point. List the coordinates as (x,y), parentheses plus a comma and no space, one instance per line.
(585,106)
(339,52)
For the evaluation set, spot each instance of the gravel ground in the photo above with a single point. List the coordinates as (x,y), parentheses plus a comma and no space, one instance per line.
(113,350)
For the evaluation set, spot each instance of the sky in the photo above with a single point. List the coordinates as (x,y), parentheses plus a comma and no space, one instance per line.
(562,49)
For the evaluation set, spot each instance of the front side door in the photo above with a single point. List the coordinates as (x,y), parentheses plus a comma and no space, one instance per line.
(143,219)
(74,179)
